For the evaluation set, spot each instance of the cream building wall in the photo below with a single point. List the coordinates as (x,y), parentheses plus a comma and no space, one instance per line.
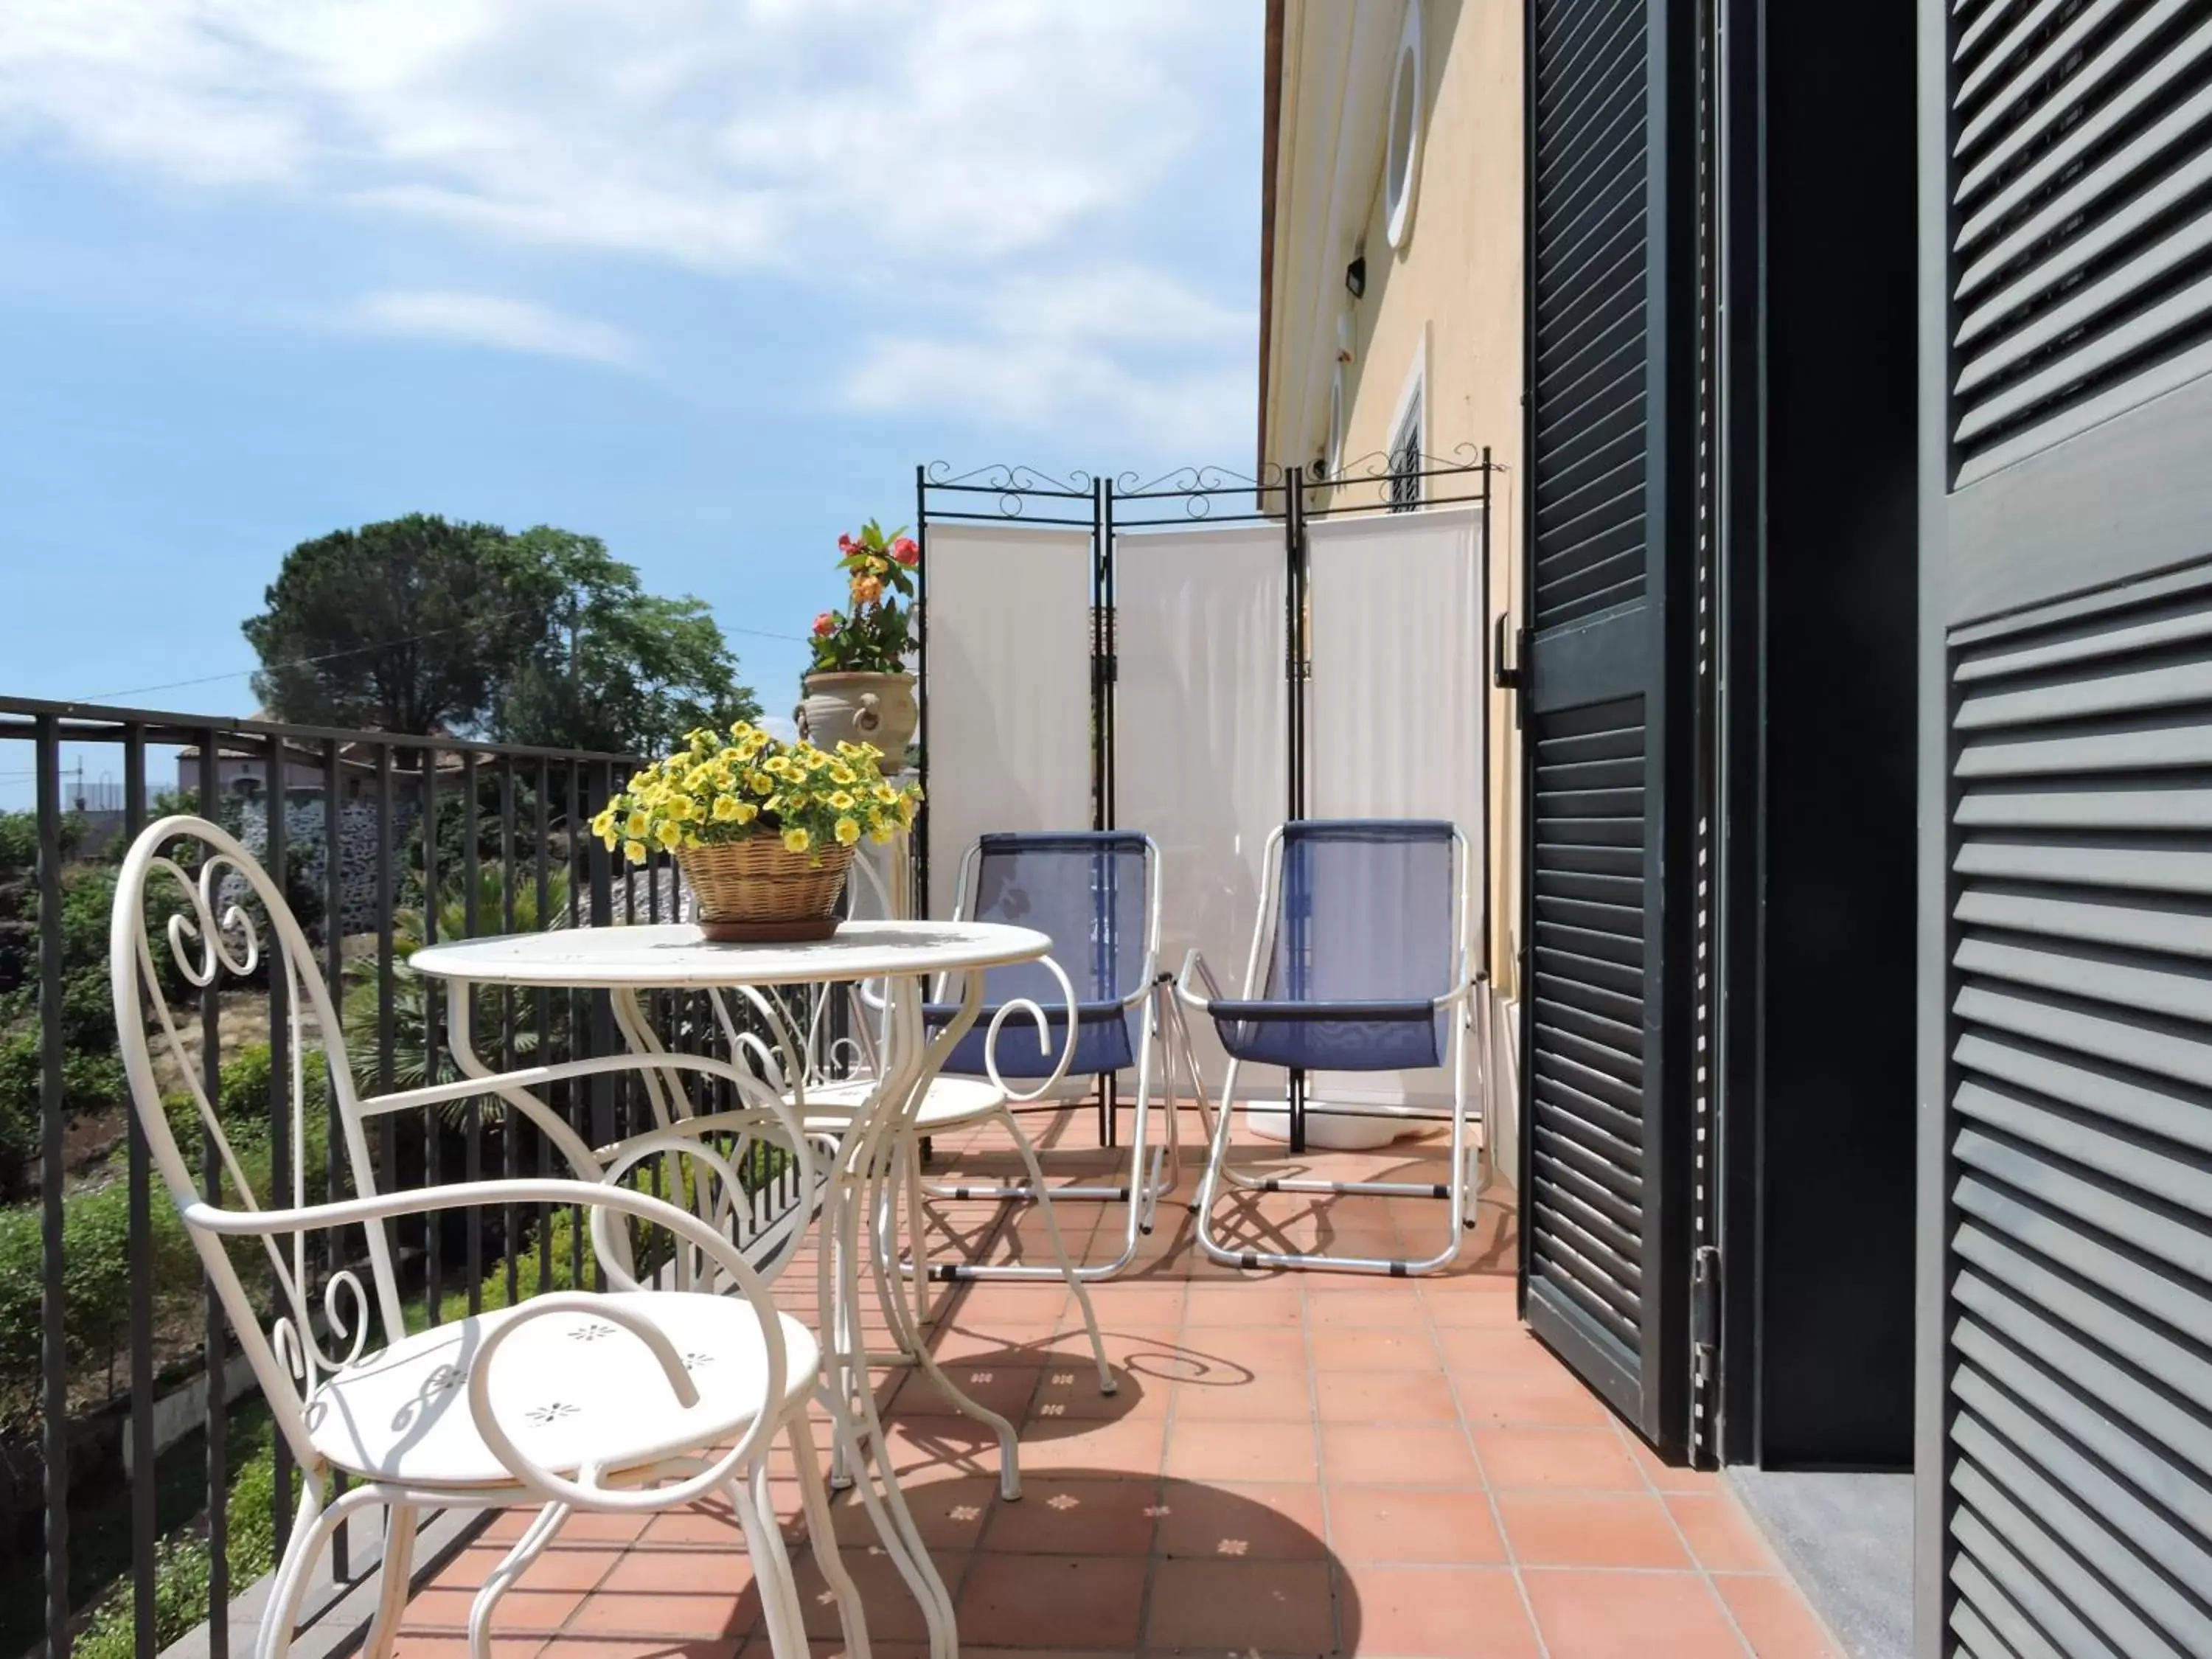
(1440,316)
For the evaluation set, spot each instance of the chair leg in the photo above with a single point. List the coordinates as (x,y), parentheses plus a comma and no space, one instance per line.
(787,1626)
(399,1570)
(822,1537)
(917,1233)
(311,1530)
(1107,1384)
(544,1528)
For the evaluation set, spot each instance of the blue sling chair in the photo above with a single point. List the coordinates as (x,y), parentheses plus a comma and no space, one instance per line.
(1096,894)
(1359,963)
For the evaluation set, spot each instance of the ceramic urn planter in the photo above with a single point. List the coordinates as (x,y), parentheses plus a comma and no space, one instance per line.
(871,708)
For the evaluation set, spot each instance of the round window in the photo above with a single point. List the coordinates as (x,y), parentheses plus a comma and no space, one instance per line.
(1402,160)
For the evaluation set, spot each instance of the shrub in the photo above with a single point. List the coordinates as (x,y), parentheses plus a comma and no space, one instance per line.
(90,1082)
(183,1566)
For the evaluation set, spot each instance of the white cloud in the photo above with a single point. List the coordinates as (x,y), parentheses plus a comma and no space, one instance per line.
(928,159)
(1129,353)
(489,320)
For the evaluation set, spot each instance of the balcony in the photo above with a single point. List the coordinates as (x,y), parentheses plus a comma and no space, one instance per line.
(1294,1464)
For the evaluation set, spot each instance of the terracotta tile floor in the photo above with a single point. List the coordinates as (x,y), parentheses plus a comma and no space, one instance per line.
(1300,1464)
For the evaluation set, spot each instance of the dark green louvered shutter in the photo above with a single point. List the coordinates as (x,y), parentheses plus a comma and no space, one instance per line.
(2065,1449)
(1602,1259)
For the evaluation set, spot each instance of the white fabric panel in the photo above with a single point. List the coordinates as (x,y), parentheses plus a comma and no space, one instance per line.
(1394,707)
(1008,734)
(1201,740)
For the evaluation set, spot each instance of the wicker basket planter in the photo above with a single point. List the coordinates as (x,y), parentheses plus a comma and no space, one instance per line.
(753,892)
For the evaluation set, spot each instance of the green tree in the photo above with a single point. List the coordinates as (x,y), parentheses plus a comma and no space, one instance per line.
(615,668)
(411,625)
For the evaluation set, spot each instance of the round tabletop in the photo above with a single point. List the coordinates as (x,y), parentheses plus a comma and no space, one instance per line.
(671,956)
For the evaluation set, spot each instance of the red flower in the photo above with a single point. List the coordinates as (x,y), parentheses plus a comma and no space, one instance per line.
(825,624)
(844,543)
(906,551)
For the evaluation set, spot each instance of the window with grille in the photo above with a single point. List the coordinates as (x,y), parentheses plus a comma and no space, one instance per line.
(1405,462)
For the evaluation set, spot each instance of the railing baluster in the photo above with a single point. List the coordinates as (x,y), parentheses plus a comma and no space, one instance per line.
(510,1122)
(53,1340)
(217,1341)
(280,1072)
(144,1520)
(434,1006)
(545,1020)
(387,1148)
(334,799)
(471,1109)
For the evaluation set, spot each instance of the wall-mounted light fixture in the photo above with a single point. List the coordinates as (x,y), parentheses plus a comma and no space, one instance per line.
(1355,276)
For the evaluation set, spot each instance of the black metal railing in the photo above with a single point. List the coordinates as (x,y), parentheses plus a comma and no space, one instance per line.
(140,1497)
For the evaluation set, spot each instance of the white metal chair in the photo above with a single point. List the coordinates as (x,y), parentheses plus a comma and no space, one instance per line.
(959,1098)
(1359,963)
(572,1401)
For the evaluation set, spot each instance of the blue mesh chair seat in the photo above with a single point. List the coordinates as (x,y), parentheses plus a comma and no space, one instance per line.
(1085,891)
(1362,948)
(1331,1036)
(1102,1041)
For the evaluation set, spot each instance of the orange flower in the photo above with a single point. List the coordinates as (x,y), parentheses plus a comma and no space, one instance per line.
(866,589)
(825,624)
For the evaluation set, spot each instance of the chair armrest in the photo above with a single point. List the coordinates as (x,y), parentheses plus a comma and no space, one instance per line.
(1194,967)
(1024,1005)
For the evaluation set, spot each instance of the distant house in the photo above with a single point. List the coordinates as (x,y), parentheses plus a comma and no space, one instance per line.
(242,767)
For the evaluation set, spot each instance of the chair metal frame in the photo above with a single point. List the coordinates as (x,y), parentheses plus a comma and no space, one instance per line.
(219,937)
(1197,990)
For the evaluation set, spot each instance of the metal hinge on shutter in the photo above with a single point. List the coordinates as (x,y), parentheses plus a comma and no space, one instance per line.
(1705,1307)
(1506,676)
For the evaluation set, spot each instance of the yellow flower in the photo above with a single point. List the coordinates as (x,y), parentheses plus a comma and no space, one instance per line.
(636,824)
(604,824)
(745,812)
(848,831)
(841,799)
(670,835)
(796,839)
(885,793)
(759,782)
(840,773)
(741,730)
(905,811)
(879,832)
(726,809)
(610,838)
(633,851)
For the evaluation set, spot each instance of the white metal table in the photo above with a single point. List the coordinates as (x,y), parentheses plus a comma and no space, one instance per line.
(627,962)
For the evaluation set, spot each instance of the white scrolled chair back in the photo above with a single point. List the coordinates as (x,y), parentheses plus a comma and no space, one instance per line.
(208,940)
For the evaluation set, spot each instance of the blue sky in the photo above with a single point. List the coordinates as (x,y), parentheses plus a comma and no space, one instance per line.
(704,277)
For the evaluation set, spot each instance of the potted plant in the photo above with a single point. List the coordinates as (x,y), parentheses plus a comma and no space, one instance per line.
(764,830)
(859,690)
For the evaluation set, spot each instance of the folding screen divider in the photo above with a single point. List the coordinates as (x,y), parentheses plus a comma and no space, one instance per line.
(1098,651)
(1396,696)
(1203,765)
(1008,740)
